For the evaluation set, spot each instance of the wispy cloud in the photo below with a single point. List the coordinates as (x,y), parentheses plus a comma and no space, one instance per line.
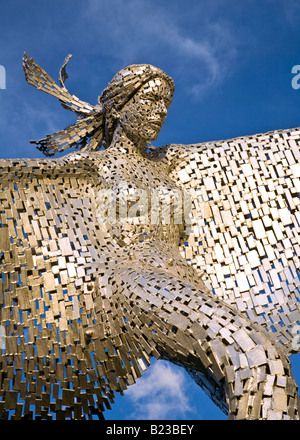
(132,29)
(291,10)
(161,394)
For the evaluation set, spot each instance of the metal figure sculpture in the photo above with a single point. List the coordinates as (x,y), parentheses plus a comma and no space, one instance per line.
(88,295)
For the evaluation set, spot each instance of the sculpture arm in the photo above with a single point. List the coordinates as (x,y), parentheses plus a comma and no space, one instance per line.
(247,235)
(73,164)
(174,154)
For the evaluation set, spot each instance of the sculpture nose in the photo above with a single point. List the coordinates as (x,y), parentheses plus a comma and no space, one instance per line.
(162,107)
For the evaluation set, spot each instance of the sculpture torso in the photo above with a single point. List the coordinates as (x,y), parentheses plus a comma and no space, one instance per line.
(150,243)
(139,180)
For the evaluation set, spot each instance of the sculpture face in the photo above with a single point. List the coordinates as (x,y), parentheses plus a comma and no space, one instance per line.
(144,115)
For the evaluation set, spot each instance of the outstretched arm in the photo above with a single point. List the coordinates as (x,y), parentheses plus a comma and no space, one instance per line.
(73,164)
(22,166)
(248,238)
(287,141)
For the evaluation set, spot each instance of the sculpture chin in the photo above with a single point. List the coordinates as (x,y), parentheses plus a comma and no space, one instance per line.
(156,128)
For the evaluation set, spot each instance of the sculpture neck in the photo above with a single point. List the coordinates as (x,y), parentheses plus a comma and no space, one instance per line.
(121,141)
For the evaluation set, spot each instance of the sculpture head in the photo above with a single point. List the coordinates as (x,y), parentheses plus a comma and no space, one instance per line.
(137,99)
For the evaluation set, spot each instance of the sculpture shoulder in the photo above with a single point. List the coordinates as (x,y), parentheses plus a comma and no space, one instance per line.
(171,154)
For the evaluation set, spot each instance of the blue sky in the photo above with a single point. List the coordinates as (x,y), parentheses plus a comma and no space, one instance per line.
(231,62)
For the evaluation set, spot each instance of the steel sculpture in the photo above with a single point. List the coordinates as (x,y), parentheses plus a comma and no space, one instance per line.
(119,252)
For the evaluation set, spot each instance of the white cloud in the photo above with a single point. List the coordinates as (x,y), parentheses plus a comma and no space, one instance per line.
(161,394)
(291,10)
(202,55)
